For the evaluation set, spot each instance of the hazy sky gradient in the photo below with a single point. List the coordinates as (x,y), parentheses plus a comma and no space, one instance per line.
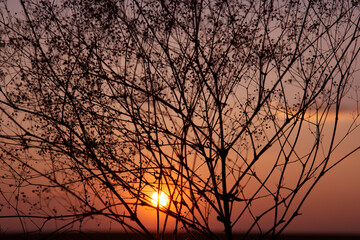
(333,206)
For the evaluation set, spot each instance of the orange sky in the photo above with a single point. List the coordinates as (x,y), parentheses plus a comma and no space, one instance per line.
(333,206)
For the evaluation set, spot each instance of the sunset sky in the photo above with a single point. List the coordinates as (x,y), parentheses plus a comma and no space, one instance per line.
(333,207)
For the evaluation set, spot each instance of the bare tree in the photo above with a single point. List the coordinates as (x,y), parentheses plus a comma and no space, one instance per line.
(230,109)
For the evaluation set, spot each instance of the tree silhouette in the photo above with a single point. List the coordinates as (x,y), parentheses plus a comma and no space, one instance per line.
(229,108)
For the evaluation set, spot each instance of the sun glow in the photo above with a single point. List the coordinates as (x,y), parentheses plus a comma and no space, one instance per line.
(160,198)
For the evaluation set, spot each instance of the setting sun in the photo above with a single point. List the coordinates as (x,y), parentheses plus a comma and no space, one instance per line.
(160,198)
